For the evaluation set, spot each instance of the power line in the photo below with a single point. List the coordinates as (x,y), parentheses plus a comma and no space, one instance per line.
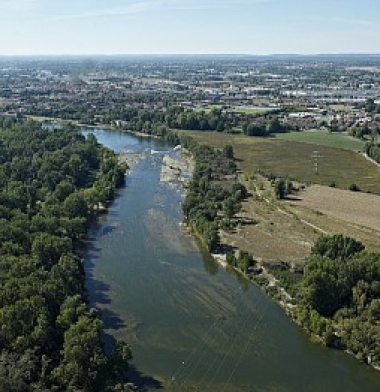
(215,359)
(238,333)
(182,367)
(192,363)
(246,346)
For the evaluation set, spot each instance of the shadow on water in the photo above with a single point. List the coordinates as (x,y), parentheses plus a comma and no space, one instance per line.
(144,382)
(98,289)
(100,295)
(111,321)
(212,266)
(106,230)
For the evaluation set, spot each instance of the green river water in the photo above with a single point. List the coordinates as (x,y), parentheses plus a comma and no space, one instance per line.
(192,325)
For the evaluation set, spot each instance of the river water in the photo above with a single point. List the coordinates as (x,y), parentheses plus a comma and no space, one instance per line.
(192,325)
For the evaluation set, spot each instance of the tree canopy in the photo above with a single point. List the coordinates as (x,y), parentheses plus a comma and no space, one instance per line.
(51,182)
(340,296)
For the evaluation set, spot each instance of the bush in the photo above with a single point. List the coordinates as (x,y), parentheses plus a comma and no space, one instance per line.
(354,188)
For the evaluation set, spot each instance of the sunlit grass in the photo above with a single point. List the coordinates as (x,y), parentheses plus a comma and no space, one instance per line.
(305,162)
(324,138)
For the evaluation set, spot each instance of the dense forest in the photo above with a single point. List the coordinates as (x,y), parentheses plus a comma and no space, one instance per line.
(52,182)
(217,119)
(339,296)
(214,195)
(153,121)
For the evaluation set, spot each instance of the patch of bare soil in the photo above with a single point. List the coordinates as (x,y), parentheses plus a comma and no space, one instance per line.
(270,234)
(286,230)
(356,208)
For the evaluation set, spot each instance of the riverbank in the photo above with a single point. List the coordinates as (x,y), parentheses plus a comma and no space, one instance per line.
(206,231)
(139,254)
(271,281)
(272,286)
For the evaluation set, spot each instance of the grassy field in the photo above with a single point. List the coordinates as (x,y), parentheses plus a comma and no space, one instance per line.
(296,160)
(247,110)
(340,107)
(356,208)
(288,229)
(205,109)
(324,139)
(274,230)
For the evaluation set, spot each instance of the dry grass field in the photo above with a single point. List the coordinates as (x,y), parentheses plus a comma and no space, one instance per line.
(275,235)
(353,207)
(287,230)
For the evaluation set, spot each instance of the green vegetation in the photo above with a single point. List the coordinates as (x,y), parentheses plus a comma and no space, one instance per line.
(252,111)
(211,118)
(214,195)
(296,160)
(243,261)
(337,294)
(289,278)
(339,297)
(282,188)
(263,129)
(51,184)
(373,151)
(329,139)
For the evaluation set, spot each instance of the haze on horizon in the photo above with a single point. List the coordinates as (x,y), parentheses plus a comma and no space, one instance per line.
(46,27)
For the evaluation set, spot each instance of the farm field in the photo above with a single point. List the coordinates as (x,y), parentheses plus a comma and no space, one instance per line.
(325,139)
(249,110)
(353,207)
(338,211)
(273,235)
(286,230)
(296,160)
(340,107)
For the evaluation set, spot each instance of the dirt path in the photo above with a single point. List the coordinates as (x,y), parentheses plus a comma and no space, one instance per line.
(371,160)
(356,208)
(282,211)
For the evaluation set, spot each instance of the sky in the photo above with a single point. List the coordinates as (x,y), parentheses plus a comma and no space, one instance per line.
(48,27)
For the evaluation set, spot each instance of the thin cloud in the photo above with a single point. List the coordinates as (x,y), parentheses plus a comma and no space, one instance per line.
(20,5)
(132,9)
(357,22)
(202,4)
(149,6)
(346,21)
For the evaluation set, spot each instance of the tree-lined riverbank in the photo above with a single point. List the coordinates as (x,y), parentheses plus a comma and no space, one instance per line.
(185,316)
(213,199)
(51,183)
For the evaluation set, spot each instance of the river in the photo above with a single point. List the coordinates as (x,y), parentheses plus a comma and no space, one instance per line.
(192,325)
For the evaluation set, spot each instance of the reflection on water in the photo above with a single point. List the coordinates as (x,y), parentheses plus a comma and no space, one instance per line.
(192,325)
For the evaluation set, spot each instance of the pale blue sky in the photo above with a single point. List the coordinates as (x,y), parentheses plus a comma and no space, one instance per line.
(189,26)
